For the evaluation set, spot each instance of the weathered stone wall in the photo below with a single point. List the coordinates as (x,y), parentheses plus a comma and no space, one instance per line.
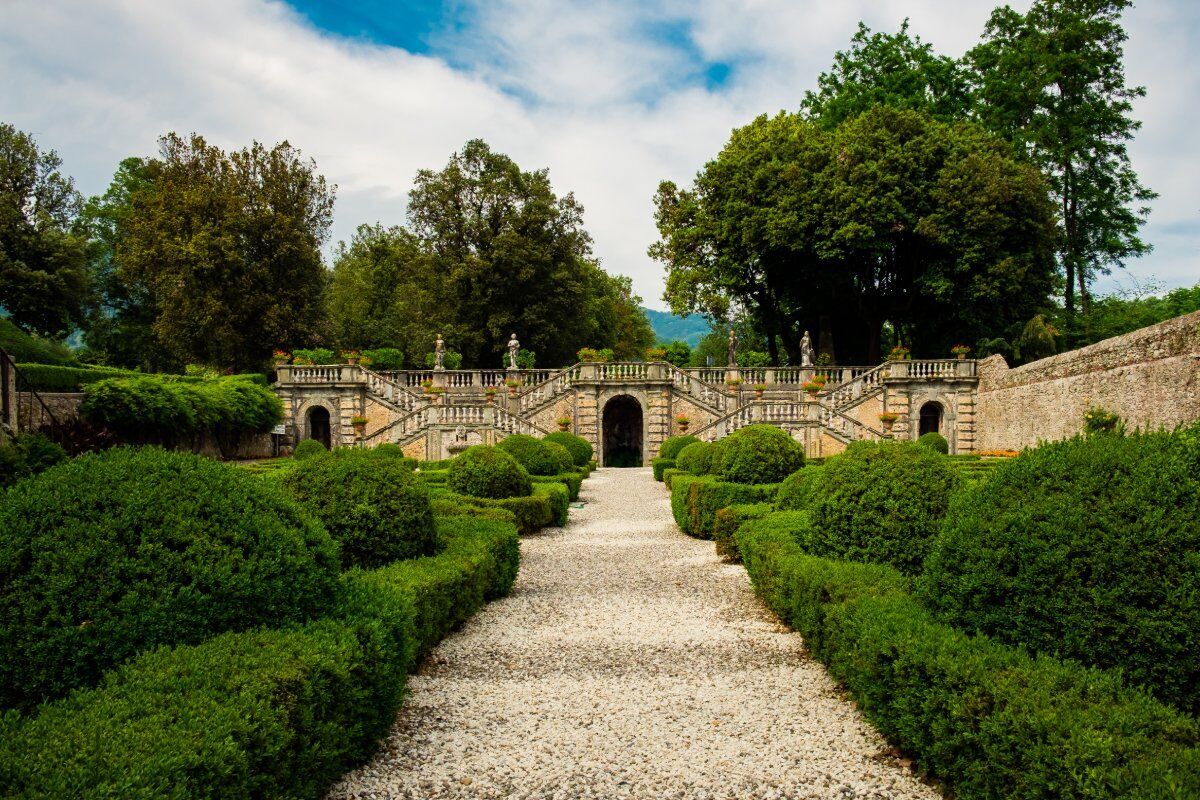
(63,405)
(1150,377)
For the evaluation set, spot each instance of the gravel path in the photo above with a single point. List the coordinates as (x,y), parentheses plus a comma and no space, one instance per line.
(628,662)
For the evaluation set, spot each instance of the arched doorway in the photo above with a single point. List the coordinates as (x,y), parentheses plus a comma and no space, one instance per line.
(931,418)
(622,426)
(318,425)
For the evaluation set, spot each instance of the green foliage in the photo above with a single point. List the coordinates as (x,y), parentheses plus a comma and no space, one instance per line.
(486,471)
(27,349)
(562,457)
(572,480)
(28,454)
(371,504)
(695,503)
(671,447)
(140,547)
(384,358)
(533,454)
(262,713)
(1121,313)
(1037,340)
(579,447)
(881,503)
(558,495)
(1099,420)
(696,457)
(1086,549)
(451,360)
(660,466)
(448,506)
(531,512)
(679,354)
(796,491)
(309,448)
(44,283)
(986,720)
(935,442)
(757,454)
(315,355)
(726,522)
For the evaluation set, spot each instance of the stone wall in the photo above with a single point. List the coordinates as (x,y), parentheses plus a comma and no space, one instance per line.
(1150,377)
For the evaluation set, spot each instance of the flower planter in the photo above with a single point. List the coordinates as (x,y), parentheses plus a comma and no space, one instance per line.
(758,394)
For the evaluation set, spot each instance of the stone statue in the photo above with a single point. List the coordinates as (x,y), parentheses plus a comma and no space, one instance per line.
(806,351)
(733,344)
(514,348)
(439,353)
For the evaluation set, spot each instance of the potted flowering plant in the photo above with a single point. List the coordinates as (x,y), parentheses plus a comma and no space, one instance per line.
(759,388)
(960,350)
(351,356)
(436,392)
(888,418)
(682,420)
(513,384)
(814,385)
(564,423)
(426,385)
(302,361)
(490,394)
(898,353)
(281,357)
(733,384)
(359,424)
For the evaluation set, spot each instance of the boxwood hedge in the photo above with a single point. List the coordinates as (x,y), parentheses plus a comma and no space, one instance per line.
(757,454)
(532,454)
(696,458)
(486,471)
(579,447)
(671,447)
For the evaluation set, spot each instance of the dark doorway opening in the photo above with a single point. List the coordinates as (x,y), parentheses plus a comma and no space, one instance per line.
(622,432)
(931,418)
(318,425)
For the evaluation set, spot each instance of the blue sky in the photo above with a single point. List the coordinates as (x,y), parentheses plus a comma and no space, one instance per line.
(611,96)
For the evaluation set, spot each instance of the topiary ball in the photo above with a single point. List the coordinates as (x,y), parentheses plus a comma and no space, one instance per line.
(117,552)
(530,453)
(1086,549)
(796,491)
(671,447)
(307,449)
(562,456)
(881,503)
(374,507)
(757,454)
(486,471)
(696,458)
(935,442)
(579,447)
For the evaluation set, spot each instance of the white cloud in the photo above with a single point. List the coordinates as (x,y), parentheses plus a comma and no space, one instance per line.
(590,90)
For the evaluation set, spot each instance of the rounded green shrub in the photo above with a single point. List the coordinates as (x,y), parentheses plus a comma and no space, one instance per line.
(579,447)
(562,457)
(796,491)
(935,442)
(113,553)
(307,449)
(696,458)
(881,503)
(530,453)
(374,507)
(486,471)
(671,447)
(1086,549)
(757,454)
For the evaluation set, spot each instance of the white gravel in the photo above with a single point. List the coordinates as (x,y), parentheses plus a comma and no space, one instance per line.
(629,661)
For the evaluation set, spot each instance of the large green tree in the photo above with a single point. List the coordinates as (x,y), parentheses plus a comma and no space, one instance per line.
(227,245)
(892,217)
(1052,81)
(44,283)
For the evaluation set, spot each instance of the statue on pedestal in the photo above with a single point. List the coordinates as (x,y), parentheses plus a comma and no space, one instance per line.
(733,344)
(439,354)
(514,348)
(806,351)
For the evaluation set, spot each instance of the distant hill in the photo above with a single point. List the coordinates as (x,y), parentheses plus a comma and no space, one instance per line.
(668,327)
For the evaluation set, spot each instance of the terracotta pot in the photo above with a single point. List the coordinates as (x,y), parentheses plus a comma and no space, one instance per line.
(758,394)
(961,356)
(563,427)
(359,428)
(491,399)
(683,426)
(512,391)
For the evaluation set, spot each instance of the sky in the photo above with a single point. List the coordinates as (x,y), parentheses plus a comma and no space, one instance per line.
(612,97)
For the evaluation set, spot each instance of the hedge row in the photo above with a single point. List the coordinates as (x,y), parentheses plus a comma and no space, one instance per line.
(269,713)
(728,520)
(548,505)
(57,378)
(988,720)
(695,500)
(661,465)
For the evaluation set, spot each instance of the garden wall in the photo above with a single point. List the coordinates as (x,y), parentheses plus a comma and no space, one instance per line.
(1150,377)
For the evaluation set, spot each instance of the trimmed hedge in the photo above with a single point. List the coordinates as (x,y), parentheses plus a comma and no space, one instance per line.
(696,458)
(307,449)
(757,454)
(796,491)
(486,471)
(572,480)
(935,442)
(695,501)
(559,497)
(671,472)
(264,713)
(989,721)
(562,457)
(579,447)
(26,348)
(450,507)
(372,505)
(728,520)
(111,554)
(881,503)
(1086,549)
(661,465)
(533,454)
(531,513)
(671,447)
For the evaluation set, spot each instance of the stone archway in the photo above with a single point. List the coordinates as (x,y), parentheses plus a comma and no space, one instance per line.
(931,418)
(621,432)
(317,425)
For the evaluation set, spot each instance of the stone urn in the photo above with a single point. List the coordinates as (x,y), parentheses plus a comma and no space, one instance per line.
(491,397)
(683,424)
(758,393)
(564,425)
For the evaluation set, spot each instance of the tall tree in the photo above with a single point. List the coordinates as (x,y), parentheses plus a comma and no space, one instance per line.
(44,283)
(228,246)
(1052,80)
(889,69)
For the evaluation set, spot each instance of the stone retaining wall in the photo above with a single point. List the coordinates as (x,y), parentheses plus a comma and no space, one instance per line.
(1150,377)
